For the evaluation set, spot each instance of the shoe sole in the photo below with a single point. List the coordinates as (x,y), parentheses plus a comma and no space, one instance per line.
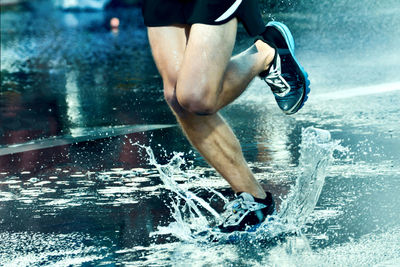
(287,35)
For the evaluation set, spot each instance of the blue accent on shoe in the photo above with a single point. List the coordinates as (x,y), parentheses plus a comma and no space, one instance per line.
(292,72)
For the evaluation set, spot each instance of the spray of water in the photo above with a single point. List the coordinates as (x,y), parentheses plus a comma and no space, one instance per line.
(316,152)
(188,210)
(193,214)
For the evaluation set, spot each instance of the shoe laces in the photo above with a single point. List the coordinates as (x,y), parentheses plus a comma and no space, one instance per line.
(238,209)
(274,79)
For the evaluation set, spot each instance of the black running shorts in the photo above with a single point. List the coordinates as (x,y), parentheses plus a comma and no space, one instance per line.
(212,12)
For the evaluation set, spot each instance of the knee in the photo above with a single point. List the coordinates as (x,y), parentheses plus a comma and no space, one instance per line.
(196,101)
(169,95)
(170,98)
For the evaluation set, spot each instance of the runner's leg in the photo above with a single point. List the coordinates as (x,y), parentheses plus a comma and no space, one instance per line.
(209,134)
(210,79)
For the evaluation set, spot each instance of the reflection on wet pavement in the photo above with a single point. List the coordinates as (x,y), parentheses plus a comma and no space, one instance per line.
(79,135)
(76,97)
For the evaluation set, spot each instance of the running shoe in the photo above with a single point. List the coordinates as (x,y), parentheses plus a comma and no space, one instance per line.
(286,77)
(246,212)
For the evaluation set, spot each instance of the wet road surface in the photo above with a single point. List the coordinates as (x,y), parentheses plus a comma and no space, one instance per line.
(76,97)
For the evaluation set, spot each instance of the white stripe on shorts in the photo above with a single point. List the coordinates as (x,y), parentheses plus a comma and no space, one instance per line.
(229,11)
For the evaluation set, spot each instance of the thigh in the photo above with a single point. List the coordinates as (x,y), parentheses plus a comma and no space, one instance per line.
(208,51)
(168,45)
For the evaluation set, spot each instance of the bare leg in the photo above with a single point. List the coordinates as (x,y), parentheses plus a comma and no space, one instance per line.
(186,78)
(209,78)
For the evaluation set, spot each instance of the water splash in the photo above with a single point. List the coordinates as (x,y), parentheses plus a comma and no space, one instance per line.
(193,214)
(316,152)
(190,212)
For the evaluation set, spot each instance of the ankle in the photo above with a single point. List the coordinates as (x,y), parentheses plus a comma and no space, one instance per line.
(265,51)
(260,194)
